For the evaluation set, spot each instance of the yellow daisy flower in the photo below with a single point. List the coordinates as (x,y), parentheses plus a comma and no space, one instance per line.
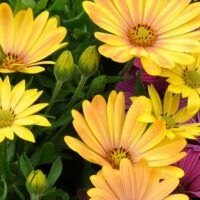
(133,182)
(17,110)
(185,80)
(26,41)
(161,33)
(109,135)
(175,119)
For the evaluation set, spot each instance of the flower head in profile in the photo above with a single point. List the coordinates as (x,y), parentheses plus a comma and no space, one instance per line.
(160,33)
(190,183)
(17,111)
(185,80)
(26,41)
(175,119)
(109,134)
(133,182)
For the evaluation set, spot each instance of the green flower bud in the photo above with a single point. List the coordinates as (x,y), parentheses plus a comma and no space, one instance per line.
(64,67)
(89,61)
(36,182)
(1,55)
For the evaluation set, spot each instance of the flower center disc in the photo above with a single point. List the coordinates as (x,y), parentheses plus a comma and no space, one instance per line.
(142,35)
(192,79)
(116,155)
(170,123)
(10,59)
(6,118)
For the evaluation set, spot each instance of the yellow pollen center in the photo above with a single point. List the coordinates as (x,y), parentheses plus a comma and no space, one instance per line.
(142,35)
(11,59)
(170,123)
(6,118)
(116,155)
(192,79)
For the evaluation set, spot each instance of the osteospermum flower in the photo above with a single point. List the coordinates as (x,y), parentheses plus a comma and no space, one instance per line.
(190,183)
(26,41)
(109,135)
(185,80)
(161,33)
(17,111)
(133,182)
(167,110)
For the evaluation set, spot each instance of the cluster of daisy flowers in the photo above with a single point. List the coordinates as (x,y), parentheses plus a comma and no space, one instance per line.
(147,145)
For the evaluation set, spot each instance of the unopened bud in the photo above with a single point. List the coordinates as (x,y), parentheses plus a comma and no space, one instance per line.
(64,67)
(89,61)
(36,182)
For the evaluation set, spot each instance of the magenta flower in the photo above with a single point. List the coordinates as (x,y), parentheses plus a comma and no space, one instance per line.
(129,86)
(159,82)
(190,183)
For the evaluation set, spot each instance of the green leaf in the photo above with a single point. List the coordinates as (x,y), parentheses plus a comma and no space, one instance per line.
(41,4)
(25,165)
(47,153)
(24,4)
(11,150)
(58,5)
(18,192)
(55,172)
(5,190)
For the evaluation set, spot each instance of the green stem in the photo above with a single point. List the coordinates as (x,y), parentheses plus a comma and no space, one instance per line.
(75,19)
(71,104)
(54,95)
(77,92)
(126,67)
(34,197)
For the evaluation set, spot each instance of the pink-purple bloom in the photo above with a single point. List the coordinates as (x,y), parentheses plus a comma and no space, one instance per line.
(190,183)
(128,86)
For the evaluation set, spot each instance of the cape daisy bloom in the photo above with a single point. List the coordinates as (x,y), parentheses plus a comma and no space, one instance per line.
(185,80)
(109,134)
(161,33)
(17,111)
(175,119)
(133,182)
(25,41)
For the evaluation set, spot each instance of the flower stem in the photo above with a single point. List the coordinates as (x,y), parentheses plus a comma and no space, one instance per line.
(54,95)
(126,67)
(77,91)
(34,197)
(71,104)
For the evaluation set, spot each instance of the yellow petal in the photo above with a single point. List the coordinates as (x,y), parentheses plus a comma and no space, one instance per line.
(5,93)
(6,27)
(17,93)
(84,151)
(23,133)
(32,70)
(32,120)
(31,110)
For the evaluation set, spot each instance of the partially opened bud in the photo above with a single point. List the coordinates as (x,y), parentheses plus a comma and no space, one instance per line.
(36,182)
(64,67)
(89,61)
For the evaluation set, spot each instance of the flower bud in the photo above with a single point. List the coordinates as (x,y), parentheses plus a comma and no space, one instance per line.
(64,67)
(1,55)
(36,182)
(89,61)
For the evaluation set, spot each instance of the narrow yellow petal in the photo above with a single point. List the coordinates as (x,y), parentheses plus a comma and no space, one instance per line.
(23,133)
